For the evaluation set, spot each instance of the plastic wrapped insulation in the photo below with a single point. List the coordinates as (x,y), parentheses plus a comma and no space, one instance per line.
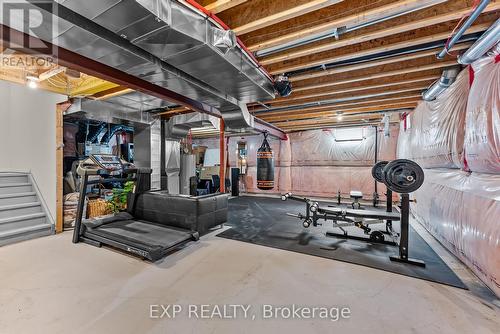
(462,211)
(482,135)
(318,163)
(436,136)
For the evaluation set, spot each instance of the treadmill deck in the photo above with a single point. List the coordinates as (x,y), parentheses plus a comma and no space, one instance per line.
(146,236)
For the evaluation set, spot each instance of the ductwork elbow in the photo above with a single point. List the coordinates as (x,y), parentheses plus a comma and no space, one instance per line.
(178,126)
(487,41)
(447,78)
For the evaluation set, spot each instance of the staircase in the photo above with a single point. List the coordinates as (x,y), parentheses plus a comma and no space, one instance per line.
(22,215)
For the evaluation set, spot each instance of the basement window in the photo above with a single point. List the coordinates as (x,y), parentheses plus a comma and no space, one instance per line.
(352,134)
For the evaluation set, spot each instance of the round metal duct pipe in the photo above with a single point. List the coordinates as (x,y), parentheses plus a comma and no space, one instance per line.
(447,78)
(488,40)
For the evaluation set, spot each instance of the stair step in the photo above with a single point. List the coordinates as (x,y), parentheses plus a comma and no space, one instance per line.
(25,233)
(19,198)
(22,209)
(12,223)
(17,195)
(6,178)
(15,188)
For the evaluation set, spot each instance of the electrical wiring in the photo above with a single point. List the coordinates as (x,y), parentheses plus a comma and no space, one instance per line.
(475,4)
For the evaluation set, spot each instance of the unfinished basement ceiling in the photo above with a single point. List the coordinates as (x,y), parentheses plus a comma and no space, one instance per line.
(349,61)
(383,57)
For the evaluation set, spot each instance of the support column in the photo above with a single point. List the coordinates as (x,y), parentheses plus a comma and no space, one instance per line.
(222,161)
(60,109)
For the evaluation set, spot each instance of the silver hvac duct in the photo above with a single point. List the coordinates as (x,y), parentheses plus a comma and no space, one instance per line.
(115,110)
(178,168)
(168,43)
(487,41)
(178,126)
(437,88)
(475,14)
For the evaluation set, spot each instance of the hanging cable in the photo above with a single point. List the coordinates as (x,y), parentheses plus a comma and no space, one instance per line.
(474,6)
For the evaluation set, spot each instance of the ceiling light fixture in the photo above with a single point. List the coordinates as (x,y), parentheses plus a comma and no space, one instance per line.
(339,116)
(32,81)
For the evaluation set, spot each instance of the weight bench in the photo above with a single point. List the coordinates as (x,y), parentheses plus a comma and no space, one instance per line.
(356,196)
(342,217)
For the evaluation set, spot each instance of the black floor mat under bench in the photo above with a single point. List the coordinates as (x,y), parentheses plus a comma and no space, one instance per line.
(263,221)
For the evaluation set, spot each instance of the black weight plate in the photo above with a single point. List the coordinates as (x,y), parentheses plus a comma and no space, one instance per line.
(378,171)
(403,176)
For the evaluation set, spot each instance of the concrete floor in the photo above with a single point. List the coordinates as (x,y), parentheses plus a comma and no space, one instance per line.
(49,285)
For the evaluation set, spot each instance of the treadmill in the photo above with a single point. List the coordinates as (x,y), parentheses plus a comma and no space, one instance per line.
(125,230)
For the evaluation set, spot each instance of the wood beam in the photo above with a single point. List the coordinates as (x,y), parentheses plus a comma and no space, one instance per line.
(322,93)
(361,90)
(388,30)
(173,112)
(222,5)
(365,49)
(417,69)
(378,77)
(366,102)
(326,122)
(50,73)
(302,9)
(355,122)
(354,96)
(347,21)
(374,63)
(18,76)
(359,122)
(90,85)
(112,92)
(60,109)
(333,112)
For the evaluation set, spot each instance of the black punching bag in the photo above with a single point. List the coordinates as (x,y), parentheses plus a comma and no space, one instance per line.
(265,166)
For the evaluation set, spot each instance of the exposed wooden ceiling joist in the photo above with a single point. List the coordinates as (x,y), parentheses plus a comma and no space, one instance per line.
(222,5)
(324,121)
(311,124)
(335,111)
(306,7)
(368,48)
(349,20)
(361,88)
(50,73)
(417,69)
(113,92)
(378,91)
(388,29)
(176,111)
(363,103)
(373,63)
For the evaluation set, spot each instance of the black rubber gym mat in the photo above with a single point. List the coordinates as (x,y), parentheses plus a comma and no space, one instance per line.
(263,221)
